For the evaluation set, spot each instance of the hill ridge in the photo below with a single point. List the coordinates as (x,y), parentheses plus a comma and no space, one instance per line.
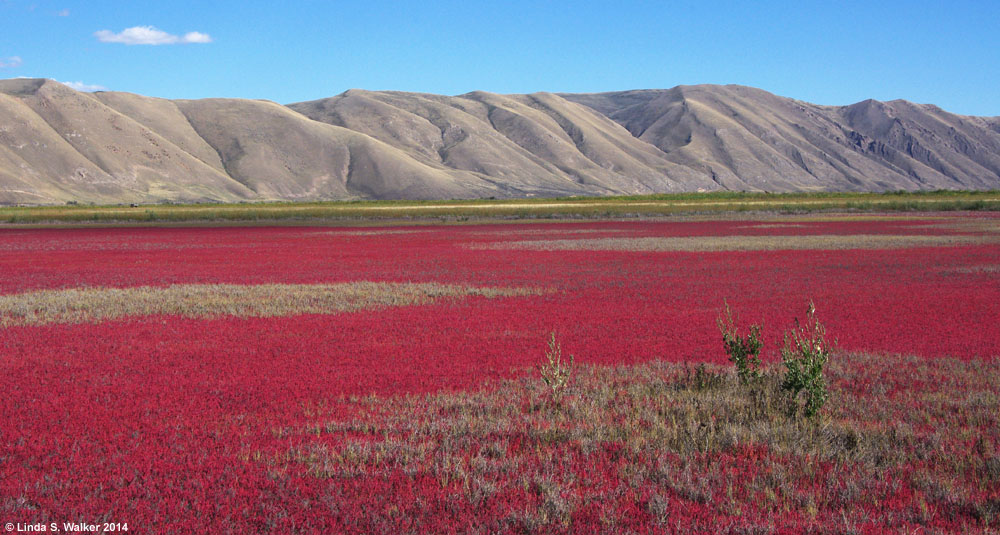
(58,145)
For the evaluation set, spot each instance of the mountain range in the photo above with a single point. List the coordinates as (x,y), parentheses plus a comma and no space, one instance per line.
(59,145)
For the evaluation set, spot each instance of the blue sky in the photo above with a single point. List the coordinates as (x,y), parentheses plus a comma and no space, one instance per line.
(833,52)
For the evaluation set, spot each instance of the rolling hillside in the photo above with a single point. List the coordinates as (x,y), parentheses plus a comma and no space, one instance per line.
(58,145)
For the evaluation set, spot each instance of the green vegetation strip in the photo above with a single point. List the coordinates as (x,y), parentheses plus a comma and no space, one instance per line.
(595,207)
(91,305)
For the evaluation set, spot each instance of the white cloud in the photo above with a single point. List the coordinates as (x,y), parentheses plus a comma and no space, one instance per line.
(63,13)
(148,35)
(11,62)
(196,37)
(87,88)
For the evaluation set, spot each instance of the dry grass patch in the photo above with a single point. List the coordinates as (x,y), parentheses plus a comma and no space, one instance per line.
(775,225)
(923,433)
(984,268)
(834,218)
(743,243)
(84,305)
(543,231)
(369,232)
(984,225)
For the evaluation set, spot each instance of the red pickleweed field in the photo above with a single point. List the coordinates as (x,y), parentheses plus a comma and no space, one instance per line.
(289,424)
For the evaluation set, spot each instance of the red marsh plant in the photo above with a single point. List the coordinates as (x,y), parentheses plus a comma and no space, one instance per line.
(166,420)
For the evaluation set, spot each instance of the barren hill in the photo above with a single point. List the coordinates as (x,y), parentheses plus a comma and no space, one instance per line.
(746,138)
(59,145)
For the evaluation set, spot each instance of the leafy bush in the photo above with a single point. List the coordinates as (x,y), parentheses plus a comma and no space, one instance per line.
(804,355)
(744,352)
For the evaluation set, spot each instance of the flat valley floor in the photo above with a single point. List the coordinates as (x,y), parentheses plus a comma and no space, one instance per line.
(386,380)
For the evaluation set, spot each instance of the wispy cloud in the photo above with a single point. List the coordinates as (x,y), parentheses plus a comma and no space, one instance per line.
(87,88)
(11,62)
(148,35)
(63,13)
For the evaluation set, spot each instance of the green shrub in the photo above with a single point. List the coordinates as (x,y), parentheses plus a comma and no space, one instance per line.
(804,355)
(744,352)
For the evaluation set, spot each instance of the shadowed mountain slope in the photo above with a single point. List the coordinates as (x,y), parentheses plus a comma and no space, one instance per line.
(750,139)
(59,145)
